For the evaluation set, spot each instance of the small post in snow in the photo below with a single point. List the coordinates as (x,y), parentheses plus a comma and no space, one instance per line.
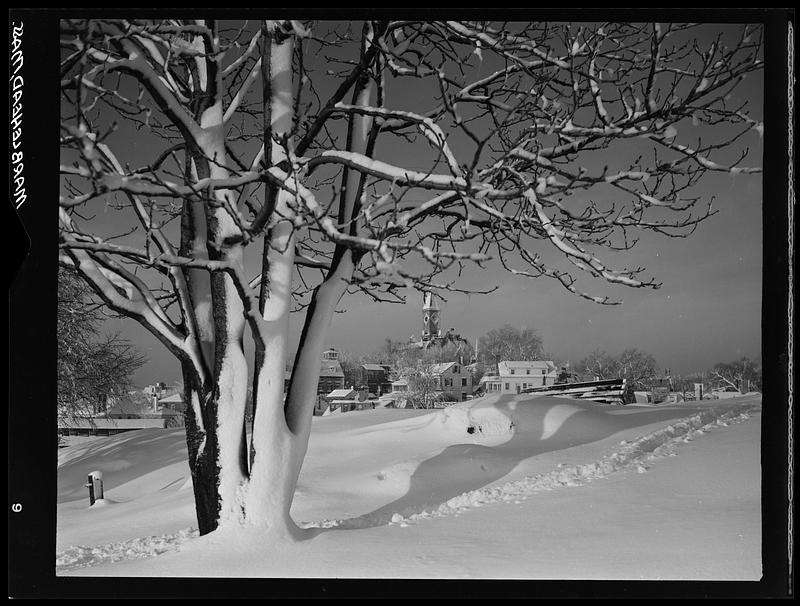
(95,486)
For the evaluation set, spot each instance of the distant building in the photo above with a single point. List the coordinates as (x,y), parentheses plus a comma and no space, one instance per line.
(400,386)
(349,399)
(154,393)
(432,333)
(431,321)
(173,402)
(453,380)
(331,375)
(514,376)
(123,414)
(376,378)
(127,409)
(342,394)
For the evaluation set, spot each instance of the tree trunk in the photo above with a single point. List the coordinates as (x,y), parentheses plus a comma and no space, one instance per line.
(268,496)
(225,489)
(222,464)
(201,446)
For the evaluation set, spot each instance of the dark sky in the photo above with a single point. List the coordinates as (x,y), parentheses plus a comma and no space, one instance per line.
(708,309)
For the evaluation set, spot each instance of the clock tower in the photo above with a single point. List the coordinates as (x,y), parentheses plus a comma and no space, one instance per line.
(430,318)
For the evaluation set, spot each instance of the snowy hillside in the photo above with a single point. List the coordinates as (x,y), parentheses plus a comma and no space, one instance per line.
(499,487)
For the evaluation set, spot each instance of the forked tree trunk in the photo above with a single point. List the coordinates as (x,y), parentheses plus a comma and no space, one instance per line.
(228,487)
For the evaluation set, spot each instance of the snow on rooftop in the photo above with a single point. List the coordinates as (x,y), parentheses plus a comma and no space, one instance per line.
(341,393)
(442,367)
(176,397)
(508,364)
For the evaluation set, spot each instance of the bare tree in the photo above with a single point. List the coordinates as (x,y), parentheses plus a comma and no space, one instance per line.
(740,374)
(598,364)
(638,368)
(365,158)
(351,367)
(509,343)
(92,366)
(424,388)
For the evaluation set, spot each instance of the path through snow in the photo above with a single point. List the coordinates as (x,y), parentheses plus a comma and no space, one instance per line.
(638,455)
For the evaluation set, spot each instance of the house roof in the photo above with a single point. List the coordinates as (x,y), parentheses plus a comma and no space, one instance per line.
(331,368)
(176,397)
(506,366)
(128,407)
(373,367)
(168,412)
(341,394)
(440,368)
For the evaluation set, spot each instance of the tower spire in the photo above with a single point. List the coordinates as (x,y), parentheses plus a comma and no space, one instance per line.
(430,318)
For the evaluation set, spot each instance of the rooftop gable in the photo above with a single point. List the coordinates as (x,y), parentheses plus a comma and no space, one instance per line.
(441,368)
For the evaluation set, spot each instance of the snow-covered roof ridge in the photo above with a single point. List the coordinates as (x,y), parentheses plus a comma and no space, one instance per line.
(506,365)
(340,393)
(441,367)
(176,397)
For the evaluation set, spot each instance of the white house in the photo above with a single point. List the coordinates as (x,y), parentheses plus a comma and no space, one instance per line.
(453,379)
(515,375)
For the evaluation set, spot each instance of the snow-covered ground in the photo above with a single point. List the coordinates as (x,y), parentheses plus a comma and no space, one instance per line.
(499,487)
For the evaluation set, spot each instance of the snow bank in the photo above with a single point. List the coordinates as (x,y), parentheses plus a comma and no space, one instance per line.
(132,463)
(636,455)
(381,468)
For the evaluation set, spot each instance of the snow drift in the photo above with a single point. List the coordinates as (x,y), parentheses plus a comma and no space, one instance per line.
(379,468)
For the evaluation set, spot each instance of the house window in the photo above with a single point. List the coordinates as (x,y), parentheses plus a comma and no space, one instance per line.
(527,371)
(463,381)
(512,371)
(456,370)
(508,386)
(544,372)
(524,386)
